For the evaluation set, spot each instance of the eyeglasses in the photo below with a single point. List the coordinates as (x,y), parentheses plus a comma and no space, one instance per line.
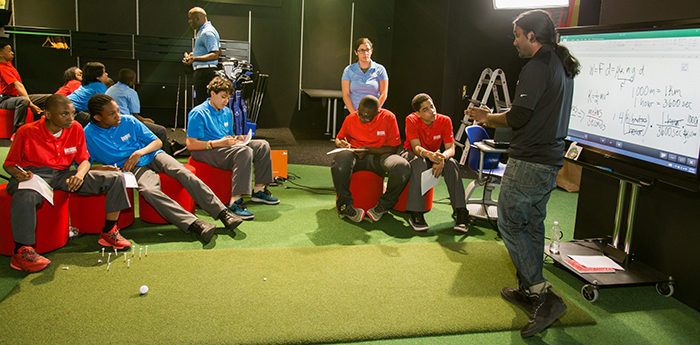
(364,50)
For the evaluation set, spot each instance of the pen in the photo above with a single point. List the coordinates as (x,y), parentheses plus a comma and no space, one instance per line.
(20,168)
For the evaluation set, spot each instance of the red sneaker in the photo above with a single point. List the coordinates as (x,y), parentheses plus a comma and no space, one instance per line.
(26,259)
(114,239)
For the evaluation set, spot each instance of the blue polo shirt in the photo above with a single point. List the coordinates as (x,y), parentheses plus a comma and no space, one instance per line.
(206,41)
(364,83)
(206,123)
(114,145)
(127,99)
(81,96)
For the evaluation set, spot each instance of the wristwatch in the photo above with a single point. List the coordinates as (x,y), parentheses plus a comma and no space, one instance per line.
(209,147)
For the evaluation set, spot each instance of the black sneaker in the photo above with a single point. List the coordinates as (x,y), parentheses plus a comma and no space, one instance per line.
(548,308)
(230,219)
(353,213)
(520,298)
(376,212)
(203,229)
(417,221)
(461,220)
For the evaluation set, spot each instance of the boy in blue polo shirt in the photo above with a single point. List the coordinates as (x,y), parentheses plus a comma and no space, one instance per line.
(124,141)
(210,140)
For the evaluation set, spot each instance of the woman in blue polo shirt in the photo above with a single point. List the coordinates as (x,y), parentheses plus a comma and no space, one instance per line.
(364,77)
(94,77)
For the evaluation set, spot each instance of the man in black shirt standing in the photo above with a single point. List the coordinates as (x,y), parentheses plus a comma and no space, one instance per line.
(539,118)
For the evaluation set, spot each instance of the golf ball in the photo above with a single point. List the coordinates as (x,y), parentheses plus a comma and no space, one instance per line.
(143,289)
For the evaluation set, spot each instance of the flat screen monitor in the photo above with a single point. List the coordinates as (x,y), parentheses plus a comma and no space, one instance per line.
(637,97)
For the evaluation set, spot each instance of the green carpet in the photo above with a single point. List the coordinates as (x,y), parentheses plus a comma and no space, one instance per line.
(274,295)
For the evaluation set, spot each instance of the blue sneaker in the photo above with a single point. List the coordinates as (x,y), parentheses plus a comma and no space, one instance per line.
(264,196)
(240,209)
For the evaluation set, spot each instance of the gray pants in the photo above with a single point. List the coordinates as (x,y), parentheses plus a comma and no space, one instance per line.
(240,160)
(20,105)
(455,187)
(149,187)
(346,162)
(25,201)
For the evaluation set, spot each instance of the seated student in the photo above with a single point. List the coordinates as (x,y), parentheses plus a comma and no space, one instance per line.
(73,77)
(426,130)
(13,94)
(376,132)
(94,78)
(128,100)
(210,140)
(48,148)
(122,140)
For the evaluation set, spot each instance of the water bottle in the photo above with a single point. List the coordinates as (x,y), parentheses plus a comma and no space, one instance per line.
(554,236)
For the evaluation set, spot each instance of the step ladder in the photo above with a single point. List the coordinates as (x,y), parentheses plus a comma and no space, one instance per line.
(494,80)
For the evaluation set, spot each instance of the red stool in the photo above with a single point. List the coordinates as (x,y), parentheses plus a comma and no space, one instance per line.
(172,188)
(51,223)
(401,203)
(366,188)
(87,212)
(7,122)
(219,180)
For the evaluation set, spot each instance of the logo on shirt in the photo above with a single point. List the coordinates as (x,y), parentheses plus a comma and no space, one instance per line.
(373,75)
(69,150)
(381,133)
(126,137)
(436,137)
(225,124)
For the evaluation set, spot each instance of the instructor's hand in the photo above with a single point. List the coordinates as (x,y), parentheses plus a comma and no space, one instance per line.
(479,114)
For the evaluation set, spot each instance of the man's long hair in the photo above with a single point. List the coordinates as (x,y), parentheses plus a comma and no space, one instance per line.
(540,23)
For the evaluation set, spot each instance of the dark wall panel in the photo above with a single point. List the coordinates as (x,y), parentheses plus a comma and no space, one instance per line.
(52,14)
(326,43)
(41,69)
(634,11)
(164,18)
(107,16)
(418,55)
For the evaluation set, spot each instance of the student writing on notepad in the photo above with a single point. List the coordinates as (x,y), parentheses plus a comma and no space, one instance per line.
(48,148)
(376,133)
(210,140)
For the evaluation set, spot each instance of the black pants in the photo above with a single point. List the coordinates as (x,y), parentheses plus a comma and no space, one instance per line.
(202,77)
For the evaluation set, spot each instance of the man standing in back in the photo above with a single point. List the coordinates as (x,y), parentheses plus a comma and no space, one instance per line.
(204,58)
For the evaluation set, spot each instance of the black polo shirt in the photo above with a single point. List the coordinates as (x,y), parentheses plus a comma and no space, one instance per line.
(543,88)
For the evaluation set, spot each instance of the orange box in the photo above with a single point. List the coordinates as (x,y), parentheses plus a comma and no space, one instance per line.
(279,163)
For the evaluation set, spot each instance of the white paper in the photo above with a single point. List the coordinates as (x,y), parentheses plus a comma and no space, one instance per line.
(596,261)
(39,185)
(248,137)
(341,149)
(130,180)
(427,181)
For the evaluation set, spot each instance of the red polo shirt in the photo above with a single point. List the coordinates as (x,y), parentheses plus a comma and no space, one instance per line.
(68,88)
(430,136)
(381,131)
(35,146)
(8,75)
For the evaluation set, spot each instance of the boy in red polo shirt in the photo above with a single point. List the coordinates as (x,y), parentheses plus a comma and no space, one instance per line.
(426,131)
(374,134)
(48,148)
(13,95)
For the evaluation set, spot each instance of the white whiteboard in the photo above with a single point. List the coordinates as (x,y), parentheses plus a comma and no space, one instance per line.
(639,90)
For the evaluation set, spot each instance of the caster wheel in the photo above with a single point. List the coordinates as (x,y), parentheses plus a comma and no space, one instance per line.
(665,288)
(590,292)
